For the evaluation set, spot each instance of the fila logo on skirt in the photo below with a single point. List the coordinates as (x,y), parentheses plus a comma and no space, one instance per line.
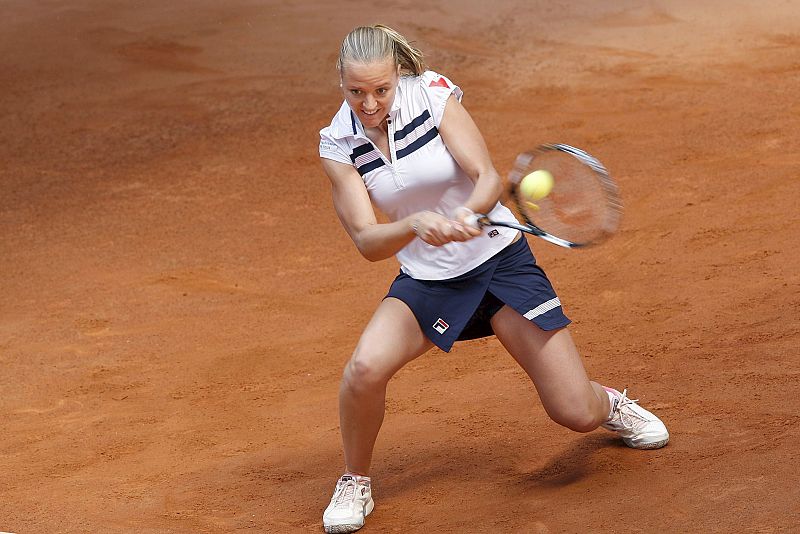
(440,326)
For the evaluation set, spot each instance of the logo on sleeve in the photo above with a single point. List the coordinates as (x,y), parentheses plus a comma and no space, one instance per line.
(440,326)
(441,82)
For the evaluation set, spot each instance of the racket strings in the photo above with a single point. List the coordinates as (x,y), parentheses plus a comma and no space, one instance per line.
(583,206)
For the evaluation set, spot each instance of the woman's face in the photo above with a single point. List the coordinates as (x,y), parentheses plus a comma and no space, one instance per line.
(369,89)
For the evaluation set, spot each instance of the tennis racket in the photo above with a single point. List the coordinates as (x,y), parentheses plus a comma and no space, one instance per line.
(583,207)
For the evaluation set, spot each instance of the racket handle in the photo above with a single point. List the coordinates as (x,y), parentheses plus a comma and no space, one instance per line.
(473,219)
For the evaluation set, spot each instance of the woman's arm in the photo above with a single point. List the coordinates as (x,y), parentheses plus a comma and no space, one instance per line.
(465,142)
(380,241)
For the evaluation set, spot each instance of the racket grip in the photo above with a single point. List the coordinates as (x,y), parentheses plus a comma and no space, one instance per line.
(470,217)
(473,220)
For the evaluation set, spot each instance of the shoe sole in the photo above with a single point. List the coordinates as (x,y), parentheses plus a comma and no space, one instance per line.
(651,445)
(342,529)
(350,527)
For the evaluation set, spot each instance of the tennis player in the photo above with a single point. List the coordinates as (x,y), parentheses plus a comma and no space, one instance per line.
(402,142)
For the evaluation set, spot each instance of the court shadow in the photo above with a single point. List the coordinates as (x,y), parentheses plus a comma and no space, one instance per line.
(402,474)
(573,464)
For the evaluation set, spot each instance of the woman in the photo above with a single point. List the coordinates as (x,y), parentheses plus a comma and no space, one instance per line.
(403,142)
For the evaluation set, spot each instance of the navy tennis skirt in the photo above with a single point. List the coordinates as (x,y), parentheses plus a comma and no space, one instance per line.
(460,308)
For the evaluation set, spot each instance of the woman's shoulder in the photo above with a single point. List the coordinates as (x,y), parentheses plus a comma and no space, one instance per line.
(430,90)
(428,79)
(430,86)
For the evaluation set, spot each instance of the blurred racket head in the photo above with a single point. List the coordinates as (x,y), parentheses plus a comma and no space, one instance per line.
(583,208)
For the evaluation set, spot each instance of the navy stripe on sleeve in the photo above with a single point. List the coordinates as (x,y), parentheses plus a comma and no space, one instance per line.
(360,150)
(365,158)
(371,166)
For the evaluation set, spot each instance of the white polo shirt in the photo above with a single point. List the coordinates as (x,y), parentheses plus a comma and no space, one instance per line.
(420,175)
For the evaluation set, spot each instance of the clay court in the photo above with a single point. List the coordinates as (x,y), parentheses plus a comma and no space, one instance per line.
(179,298)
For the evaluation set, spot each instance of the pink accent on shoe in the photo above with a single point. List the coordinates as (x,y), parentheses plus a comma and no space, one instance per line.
(613,398)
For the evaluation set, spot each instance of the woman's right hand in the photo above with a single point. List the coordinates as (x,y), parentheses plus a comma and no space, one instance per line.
(438,230)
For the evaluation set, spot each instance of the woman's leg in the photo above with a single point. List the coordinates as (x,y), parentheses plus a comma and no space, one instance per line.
(391,339)
(570,399)
(551,360)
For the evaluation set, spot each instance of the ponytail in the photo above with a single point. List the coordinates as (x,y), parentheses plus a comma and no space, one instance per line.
(367,44)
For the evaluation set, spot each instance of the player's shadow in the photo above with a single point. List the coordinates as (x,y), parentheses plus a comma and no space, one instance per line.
(460,464)
(573,464)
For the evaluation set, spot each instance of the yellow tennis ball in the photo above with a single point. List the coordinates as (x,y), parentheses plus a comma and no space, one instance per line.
(536,185)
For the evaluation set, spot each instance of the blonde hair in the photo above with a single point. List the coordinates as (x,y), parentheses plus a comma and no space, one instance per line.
(367,44)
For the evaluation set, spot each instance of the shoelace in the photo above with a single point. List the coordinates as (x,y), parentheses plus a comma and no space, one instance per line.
(625,417)
(345,494)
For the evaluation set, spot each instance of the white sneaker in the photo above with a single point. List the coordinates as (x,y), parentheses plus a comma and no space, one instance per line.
(638,428)
(350,504)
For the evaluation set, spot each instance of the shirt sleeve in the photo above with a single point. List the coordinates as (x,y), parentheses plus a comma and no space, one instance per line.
(437,89)
(330,149)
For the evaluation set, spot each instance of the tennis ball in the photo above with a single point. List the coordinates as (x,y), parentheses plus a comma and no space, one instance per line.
(536,185)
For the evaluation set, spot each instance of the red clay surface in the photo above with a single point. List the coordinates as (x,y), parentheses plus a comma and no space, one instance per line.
(178,298)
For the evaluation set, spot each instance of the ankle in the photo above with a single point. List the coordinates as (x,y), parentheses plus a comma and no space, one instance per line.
(358,476)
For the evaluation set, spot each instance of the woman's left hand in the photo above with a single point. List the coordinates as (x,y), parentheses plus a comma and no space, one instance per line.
(438,230)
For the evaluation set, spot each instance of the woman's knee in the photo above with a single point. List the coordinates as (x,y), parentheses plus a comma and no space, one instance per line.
(577,418)
(364,374)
